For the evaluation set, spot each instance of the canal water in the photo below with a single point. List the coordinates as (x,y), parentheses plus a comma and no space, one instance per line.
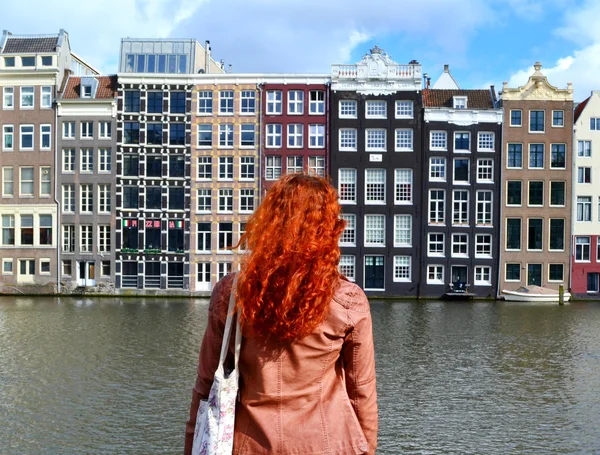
(113,376)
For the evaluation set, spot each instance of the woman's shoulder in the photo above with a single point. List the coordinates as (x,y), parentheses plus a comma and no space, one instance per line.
(219,301)
(351,296)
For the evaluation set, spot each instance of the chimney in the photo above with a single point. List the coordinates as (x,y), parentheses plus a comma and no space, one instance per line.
(230,68)
(222,64)
(493,91)
(446,68)
(428,82)
(207,57)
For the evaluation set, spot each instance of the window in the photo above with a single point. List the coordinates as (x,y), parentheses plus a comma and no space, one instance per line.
(462,142)
(582,249)
(483,275)
(460,245)
(86,91)
(484,208)
(513,272)
(483,246)
(535,234)
(131,165)
(536,193)
(376,109)
(86,238)
(226,135)
(459,102)
(130,234)
(316,136)
(402,230)
(8,132)
(316,165)
(558,156)
(485,142)
(131,134)
(176,198)
(594,124)
(274,102)
(46,97)
(435,274)
(153,197)
(557,194)
(225,200)
(404,140)
(584,149)
(175,236)
(555,272)
(8,98)
(247,135)
(177,103)
(86,160)
(295,136)
(295,164)
(177,134)
(45,186)
(348,237)
(248,102)
(154,104)
(347,266)
(536,156)
(348,140)
(436,206)
(67,267)
(247,168)
(27,97)
(8,188)
(347,185)
(204,238)
(7,266)
(205,136)
(557,234)
(348,109)
(205,102)
(273,167)
(460,207)
(225,233)
(247,200)
(105,160)
(26,142)
(485,170)
(226,102)
(204,168)
(438,140)
(584,175)
(130,197)
(68,198)
(132,101)
(68,130)
(104,244)
(204,200)
(404,109)
(223,270)
(296,102)
(514,192)
(461,170)
(558,118)
(27,61)
(47,60)
(403,186)
(26,182)
(374,186)
(105,130)
(317,102)
(226,168)
(515,156)
(437,169)
(8,229)
(376,140)
(104,198)
(435,244)
(274,135)
(153,166)
(374,230)
(9,62)
(153,239)
(584,208)
(536,121)
(402,269)
(86,198)
(513,233)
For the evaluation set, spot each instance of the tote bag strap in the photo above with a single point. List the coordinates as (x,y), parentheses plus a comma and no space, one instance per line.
(227,332)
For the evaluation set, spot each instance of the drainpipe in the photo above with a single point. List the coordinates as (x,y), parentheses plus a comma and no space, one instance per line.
(501,229)
(57,199)
(260,141)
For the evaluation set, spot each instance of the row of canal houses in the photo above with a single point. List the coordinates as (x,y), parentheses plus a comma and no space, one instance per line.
(143,180)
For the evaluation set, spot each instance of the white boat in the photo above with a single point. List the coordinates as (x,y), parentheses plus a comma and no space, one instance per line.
(534,294)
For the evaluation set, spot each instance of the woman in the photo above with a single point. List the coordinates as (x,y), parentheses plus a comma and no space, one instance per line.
(307,368)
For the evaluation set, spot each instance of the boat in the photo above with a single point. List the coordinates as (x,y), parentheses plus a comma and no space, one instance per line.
(534,294)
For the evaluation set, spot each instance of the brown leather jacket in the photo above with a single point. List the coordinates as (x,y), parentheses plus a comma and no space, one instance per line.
(314,396)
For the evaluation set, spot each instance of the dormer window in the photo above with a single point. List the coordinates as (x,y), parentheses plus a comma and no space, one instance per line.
(9,62)
(460,102)
(47,60)
(28,61)
(86,91)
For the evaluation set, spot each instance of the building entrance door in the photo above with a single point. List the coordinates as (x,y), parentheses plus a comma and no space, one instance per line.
(86,273)
(374,272)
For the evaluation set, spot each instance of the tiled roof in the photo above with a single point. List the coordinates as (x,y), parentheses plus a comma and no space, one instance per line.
(27,45)
(476,99)
(581,107)
(107,87)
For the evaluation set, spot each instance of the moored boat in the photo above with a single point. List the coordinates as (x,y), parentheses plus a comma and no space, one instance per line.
(534,294)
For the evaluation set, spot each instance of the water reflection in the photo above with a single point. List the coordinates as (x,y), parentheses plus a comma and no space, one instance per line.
(113,376)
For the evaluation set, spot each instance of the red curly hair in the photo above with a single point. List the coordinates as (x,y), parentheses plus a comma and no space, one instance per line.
(290,274)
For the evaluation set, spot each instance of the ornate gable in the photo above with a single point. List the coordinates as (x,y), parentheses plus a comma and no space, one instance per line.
(537,88)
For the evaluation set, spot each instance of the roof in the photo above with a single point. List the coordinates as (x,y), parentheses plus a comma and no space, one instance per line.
(476,99)
(16,45)
(580,108)
(107,87)
(446,81)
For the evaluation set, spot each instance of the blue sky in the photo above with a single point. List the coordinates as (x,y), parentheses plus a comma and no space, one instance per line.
(484,41)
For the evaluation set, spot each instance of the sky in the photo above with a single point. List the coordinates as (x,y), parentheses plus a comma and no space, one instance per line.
(485,42)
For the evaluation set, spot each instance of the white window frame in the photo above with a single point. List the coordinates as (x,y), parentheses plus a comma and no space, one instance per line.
(403,186)
(404,140)
(23,95)
(375,140)
(347,176)
(376,109)
(45,177)
(374,229)
(68,238)
(46,97)
(274,102)
(459,102)
(460,208)
(104,240)
(437,271)
(348,109)
(489,208)
(46,132)
(437,165)
(402,269)
(203,107)
(438,140)
(104,198)
(348,139)
(273,167)
(485,166)
(202,163)
(347,266)
(436,246)
(563,118)
(8,93)
(486,141)
(460,240)
(226,135)
(247,95)
(7,261)
(247,200)
(22,181)
(86,130)
(68,160)
(104,160)
(225,201)
(483,242)
(316,165)
(375,186)
(294,164)
(248,128)
(433,216)
(584,149)
(348,236)
(274,135)
(481,272)
(316,102)
(295,135)
(86,198)
(68,130)
(104,130)
(403,234)
(86,238)
(27,149)
(404,109)
(68,198)
(247,168)
(8,178)
(462,150)
(11,134)
(295,102)
(86,160)
(204,127)
(316,136)
(203,200)
(228,96)
(226,163)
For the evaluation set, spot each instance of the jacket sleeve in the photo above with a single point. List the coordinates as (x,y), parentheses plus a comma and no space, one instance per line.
(209,354)
(359,364)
